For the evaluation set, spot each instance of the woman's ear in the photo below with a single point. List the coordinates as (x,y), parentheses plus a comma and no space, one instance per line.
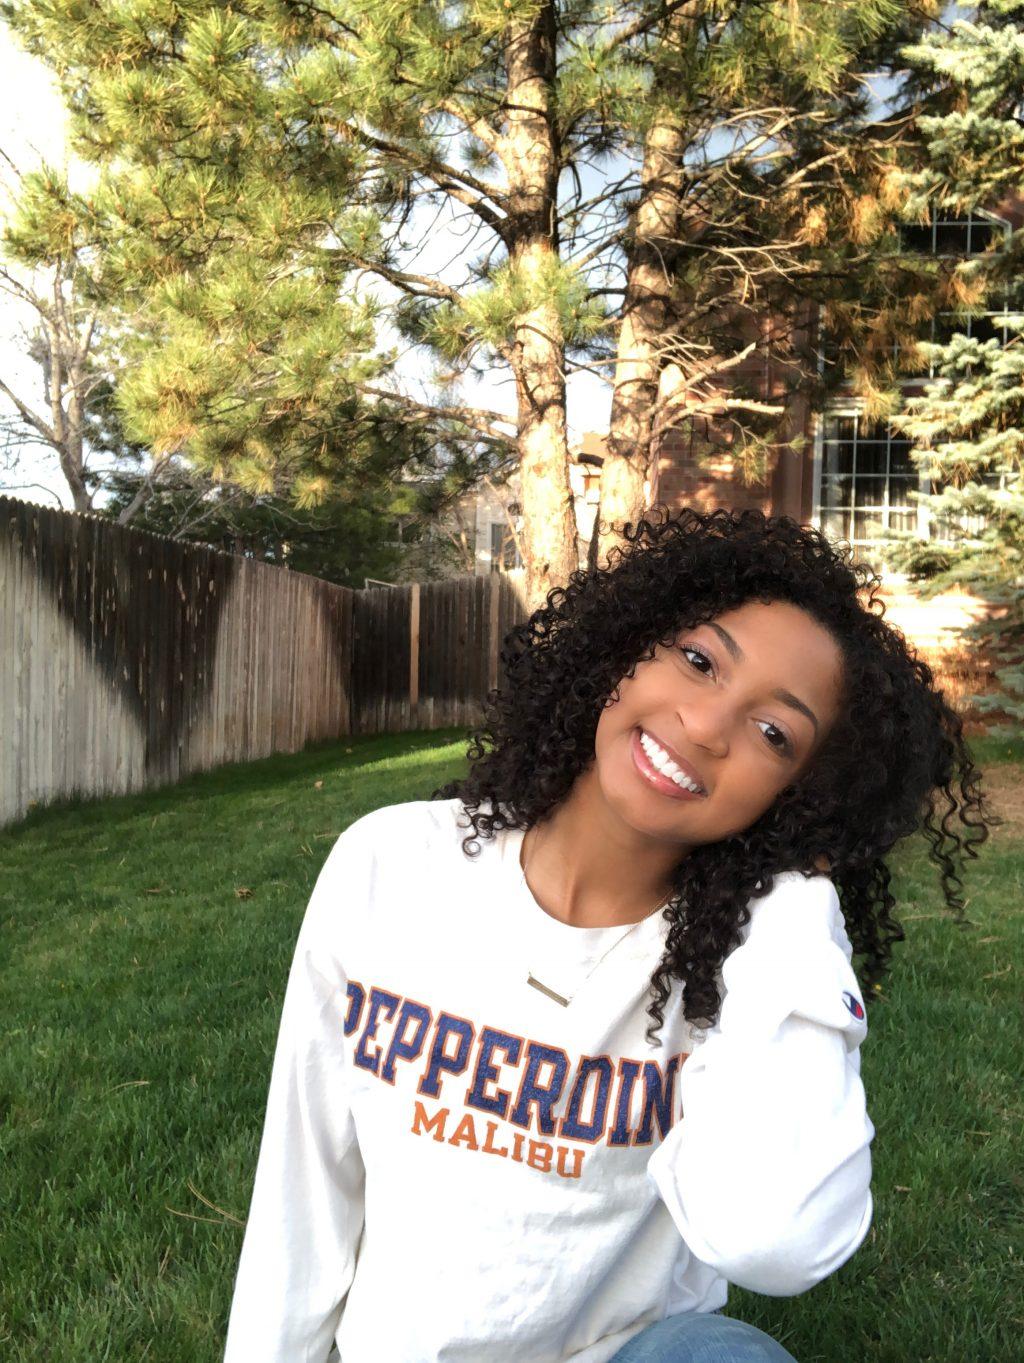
(823,864)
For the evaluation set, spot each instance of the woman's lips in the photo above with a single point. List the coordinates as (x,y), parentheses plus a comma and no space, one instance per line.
(663,784)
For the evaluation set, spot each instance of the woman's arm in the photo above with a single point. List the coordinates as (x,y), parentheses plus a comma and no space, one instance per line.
(299,1251)
(767,1173)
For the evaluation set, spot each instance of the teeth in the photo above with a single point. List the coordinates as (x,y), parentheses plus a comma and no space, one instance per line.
(664,763)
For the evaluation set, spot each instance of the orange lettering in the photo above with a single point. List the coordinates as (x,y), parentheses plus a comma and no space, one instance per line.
(465,1133)
(540,1156)
(434,1126)
(488,1143)
(577,1161)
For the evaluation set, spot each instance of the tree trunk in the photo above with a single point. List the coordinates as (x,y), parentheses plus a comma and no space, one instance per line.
(61,352)
(531,159)
(647,318)
(549,517)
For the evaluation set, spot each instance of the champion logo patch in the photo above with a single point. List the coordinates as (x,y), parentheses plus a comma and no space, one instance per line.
(853,1004)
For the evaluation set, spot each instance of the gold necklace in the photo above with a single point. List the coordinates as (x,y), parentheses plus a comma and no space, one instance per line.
(561,998)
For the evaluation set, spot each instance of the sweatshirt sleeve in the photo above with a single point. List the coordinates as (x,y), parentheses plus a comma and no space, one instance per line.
(767,1172)
(306,1214)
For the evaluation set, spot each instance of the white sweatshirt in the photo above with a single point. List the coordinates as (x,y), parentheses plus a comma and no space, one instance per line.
(455,1167)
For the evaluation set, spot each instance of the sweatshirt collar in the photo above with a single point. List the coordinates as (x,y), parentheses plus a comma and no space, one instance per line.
(646,938)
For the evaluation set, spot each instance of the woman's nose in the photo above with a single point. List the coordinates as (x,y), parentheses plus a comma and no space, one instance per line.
(708,724)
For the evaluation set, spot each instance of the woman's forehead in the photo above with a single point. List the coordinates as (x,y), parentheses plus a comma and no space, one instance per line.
(783,639)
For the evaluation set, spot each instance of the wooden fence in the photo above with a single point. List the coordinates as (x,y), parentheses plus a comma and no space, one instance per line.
(128,659)
(426,654)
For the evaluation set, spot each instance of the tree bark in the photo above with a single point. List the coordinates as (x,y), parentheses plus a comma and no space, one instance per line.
(647,317)
(530,154)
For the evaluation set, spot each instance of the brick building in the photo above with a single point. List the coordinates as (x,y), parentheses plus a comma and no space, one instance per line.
(853,476)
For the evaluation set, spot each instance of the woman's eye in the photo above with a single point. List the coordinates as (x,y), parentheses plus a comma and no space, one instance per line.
(782,743)
(686,648)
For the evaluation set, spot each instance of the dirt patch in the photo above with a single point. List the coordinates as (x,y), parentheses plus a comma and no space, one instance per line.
(1003,787)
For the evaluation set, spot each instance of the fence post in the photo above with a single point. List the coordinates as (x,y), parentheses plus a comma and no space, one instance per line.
(414,656)
(493,623)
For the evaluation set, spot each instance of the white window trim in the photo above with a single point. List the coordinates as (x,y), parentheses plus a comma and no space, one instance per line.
(854,407)
(849,406)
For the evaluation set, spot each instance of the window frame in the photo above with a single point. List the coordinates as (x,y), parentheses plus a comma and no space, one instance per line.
(848,406)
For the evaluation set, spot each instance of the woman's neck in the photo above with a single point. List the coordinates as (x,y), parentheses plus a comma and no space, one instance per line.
(587,868)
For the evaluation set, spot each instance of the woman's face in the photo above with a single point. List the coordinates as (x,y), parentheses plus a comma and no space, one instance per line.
(741,705)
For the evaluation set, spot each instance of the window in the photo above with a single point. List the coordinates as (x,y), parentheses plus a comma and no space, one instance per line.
(955,238)
(504,550)
(951,236)
(867,476)
(982,327)
(867,473)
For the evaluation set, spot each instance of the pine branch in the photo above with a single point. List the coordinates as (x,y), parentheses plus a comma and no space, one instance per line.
(475,125)
(644,24)
(402,279)
(144,490)
(449,179)
(613,239)
(478,419)
(9,284)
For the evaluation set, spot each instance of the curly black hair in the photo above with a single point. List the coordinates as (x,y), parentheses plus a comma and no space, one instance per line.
(895,761)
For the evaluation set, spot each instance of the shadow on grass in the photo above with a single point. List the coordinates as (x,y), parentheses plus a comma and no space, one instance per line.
(251,778)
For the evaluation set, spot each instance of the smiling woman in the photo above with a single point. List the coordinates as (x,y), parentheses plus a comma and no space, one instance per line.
(680,808)
(704,737)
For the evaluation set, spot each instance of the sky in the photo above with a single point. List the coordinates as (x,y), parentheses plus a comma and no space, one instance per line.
(26,85)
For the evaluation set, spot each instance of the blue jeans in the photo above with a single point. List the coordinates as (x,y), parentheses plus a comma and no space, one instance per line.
(702,1337)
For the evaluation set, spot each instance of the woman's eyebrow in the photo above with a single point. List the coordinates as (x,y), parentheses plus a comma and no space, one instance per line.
(780,693)
(787,697)
(728,640)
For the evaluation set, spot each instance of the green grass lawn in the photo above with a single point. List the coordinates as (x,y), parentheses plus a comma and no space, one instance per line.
(146,944)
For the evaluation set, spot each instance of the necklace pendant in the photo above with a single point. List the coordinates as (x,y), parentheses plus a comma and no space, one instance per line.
(545,990)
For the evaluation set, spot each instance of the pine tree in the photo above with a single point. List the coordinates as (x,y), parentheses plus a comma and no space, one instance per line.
(968,422)
(346,538)
(644,183)
(792,218)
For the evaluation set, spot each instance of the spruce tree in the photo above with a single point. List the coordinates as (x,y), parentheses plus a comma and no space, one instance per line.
(968,422)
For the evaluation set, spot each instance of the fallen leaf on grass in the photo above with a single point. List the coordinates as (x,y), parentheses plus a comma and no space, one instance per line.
(243,892)
(318,785)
